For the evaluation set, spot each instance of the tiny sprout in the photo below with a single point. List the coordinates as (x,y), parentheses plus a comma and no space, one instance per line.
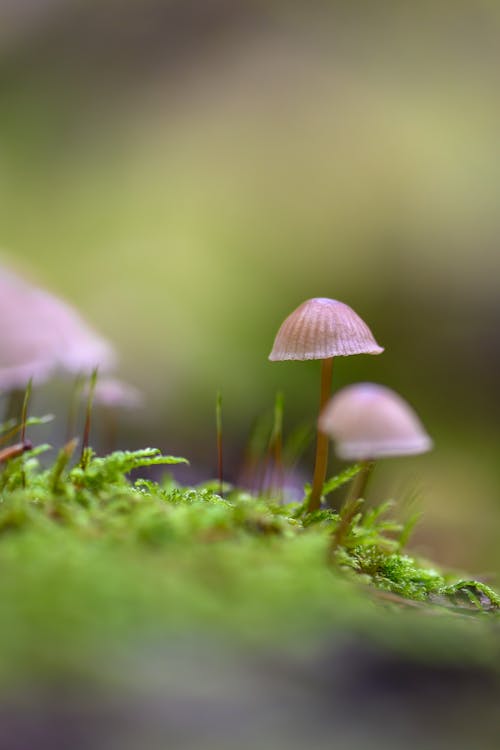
(322,328)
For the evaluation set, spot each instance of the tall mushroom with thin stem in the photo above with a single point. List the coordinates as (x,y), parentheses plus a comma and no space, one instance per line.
(369,421)
(322,328)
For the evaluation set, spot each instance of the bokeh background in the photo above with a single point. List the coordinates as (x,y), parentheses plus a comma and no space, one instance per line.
(186,173)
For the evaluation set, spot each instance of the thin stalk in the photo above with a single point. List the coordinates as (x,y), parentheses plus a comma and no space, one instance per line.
(321,462)
(88,419)
(360,482)
(25,444)
(24,410)
(61,462)
(352,503)
(349,510)
(74,403)
(220,457)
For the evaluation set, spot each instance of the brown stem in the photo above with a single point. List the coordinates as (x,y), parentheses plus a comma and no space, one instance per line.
(88,419)
(353,503)
(358,486)
(321,462)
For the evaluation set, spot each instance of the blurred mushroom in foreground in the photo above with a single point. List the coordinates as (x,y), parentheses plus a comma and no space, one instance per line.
(40,335)
(369,421)
(322,328)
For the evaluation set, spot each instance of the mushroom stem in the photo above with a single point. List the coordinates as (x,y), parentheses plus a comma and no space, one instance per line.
(360,481)
(321,462)
(352,503)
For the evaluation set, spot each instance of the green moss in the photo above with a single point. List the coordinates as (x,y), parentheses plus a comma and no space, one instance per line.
(90,560)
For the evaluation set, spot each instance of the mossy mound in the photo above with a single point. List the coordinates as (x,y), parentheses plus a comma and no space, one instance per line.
(92,562)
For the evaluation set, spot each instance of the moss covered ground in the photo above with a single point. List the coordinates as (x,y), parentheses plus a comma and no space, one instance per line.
(93,561)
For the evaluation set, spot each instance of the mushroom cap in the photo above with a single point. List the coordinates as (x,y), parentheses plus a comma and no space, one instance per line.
(40,334)
(321,328)
(369,421)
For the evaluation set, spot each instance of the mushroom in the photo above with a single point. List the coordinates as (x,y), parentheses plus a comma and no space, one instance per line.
(369,421)
(40,334)
(322,328)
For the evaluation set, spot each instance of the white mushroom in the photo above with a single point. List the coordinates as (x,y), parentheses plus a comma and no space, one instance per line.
(369,421)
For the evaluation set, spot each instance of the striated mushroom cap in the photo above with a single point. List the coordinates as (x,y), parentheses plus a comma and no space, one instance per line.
(40,334)
(321,328)
(369,421)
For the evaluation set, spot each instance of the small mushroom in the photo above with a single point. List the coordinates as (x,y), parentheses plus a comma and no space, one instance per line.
(322,328)
(40,334)
(369,421)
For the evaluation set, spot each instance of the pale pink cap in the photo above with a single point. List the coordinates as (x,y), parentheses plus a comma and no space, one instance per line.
(40,334)
(321,328)
(369,421)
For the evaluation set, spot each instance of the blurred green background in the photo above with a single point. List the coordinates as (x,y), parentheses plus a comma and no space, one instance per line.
(186,173)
